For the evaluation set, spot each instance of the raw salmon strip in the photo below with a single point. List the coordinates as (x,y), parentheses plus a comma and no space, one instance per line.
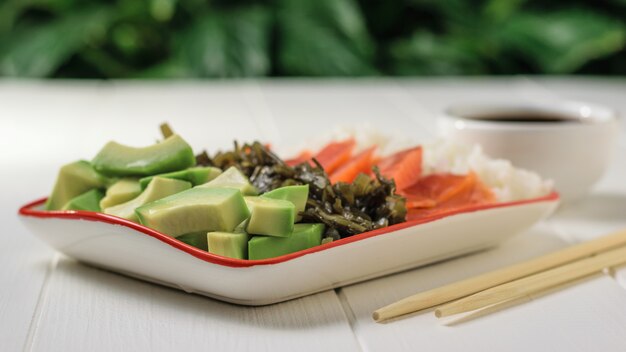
(335,154)
(405,167)
(362,162)
(302,157)
(451,193)
(440,187)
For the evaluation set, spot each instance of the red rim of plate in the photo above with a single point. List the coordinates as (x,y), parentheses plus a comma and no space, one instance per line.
(29,210)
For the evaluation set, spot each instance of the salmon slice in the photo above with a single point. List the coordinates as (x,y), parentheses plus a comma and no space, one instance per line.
(478,194)
(439,187)
(472,193)
(361,163)
(335,154)
(405,167)
(432,190)
(450,193)
(304,155)
(416,202)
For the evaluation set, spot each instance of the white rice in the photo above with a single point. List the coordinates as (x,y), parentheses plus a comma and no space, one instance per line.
(443,156)
(365,135)
(506,181)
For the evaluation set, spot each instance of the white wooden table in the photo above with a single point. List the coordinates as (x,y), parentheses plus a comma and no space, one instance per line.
(51,303)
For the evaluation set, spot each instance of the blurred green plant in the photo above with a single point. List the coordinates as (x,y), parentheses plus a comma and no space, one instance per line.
(248,38)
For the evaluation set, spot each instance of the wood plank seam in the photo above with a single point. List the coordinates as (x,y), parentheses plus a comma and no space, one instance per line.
(569,238)
(41,303)
(400,98)
(350,316)
(266,125)
(260,112)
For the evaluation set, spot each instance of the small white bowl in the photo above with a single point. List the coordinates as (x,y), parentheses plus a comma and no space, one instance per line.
(574,153)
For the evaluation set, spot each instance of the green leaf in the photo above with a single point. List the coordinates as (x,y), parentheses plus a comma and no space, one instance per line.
(563,41)
(427,54)
(323,38)
(162,10)
(228,44)
(9,12)
(39,51)
(171,68)
(450,13)
(498,10)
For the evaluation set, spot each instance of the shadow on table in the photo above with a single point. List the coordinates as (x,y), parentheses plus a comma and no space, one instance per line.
(606,207)
(373,294)
(302,313)
(97,287)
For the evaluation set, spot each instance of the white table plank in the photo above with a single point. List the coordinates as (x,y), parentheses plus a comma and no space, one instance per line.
(533,327)
(437,94)
(110,312)
(209,116)
(31,118)
(87,309)
(602,211)
(609,92)
(305,110)
(24,265)
(580,318)
(606,91)
(74,120)
(83,307)
(49,122)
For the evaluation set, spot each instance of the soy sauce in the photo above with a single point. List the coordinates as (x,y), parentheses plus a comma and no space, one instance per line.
(535,118)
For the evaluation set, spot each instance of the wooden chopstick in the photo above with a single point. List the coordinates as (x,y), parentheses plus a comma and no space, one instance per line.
(535,283)
(470,286)
(481,312)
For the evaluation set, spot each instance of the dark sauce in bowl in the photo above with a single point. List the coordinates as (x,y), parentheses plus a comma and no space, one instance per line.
(525,117)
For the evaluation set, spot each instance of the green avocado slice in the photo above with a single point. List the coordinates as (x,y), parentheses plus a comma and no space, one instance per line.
(270,217)
(120,192)
(172,154)
(229,244)
(73,180)
(195,239)
(195,210)
(157,189)
(304,236)
(298,195)
(232,178)
(195,175)
(88,201)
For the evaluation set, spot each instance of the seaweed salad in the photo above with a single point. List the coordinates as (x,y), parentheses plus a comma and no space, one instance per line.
(346,208)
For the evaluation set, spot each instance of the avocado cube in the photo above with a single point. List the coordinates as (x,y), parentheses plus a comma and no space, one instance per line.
(88,201)
(120,192)
(195,175)
(196,239)
(172,154)
(228,244)
(304,236)
(197,209)
(232,178)
(157,189)
(270,217)
(298,195)
(73,180)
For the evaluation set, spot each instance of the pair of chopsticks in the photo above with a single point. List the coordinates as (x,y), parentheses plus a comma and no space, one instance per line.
(515,282)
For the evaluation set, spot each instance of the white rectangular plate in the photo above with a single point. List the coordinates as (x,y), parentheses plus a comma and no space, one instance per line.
(122,246)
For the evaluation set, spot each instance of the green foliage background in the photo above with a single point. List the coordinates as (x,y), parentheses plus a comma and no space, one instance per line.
(244,38)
